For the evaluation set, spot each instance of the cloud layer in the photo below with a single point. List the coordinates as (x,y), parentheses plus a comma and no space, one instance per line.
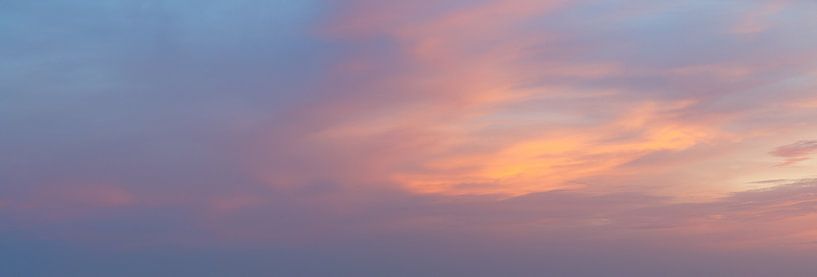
(566,138)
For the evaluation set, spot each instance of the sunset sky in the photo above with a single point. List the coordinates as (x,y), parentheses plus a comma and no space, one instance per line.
(408,138)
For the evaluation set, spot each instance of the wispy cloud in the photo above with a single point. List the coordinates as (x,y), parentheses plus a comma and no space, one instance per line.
(796,152)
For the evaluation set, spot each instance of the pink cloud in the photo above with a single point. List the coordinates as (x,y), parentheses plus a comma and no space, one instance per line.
(760,18)
(796,152)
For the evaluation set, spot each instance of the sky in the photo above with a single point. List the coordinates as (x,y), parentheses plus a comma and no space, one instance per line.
(408,138)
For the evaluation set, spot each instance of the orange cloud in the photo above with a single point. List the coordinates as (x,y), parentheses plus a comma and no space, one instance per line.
(481,98)
(447,120)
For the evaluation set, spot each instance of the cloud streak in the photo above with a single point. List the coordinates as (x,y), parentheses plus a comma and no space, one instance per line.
(795,152)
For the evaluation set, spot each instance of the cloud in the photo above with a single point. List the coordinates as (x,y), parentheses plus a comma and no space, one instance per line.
(795,152)
(471,234)
(521,97)
(758,19)
(372,137)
